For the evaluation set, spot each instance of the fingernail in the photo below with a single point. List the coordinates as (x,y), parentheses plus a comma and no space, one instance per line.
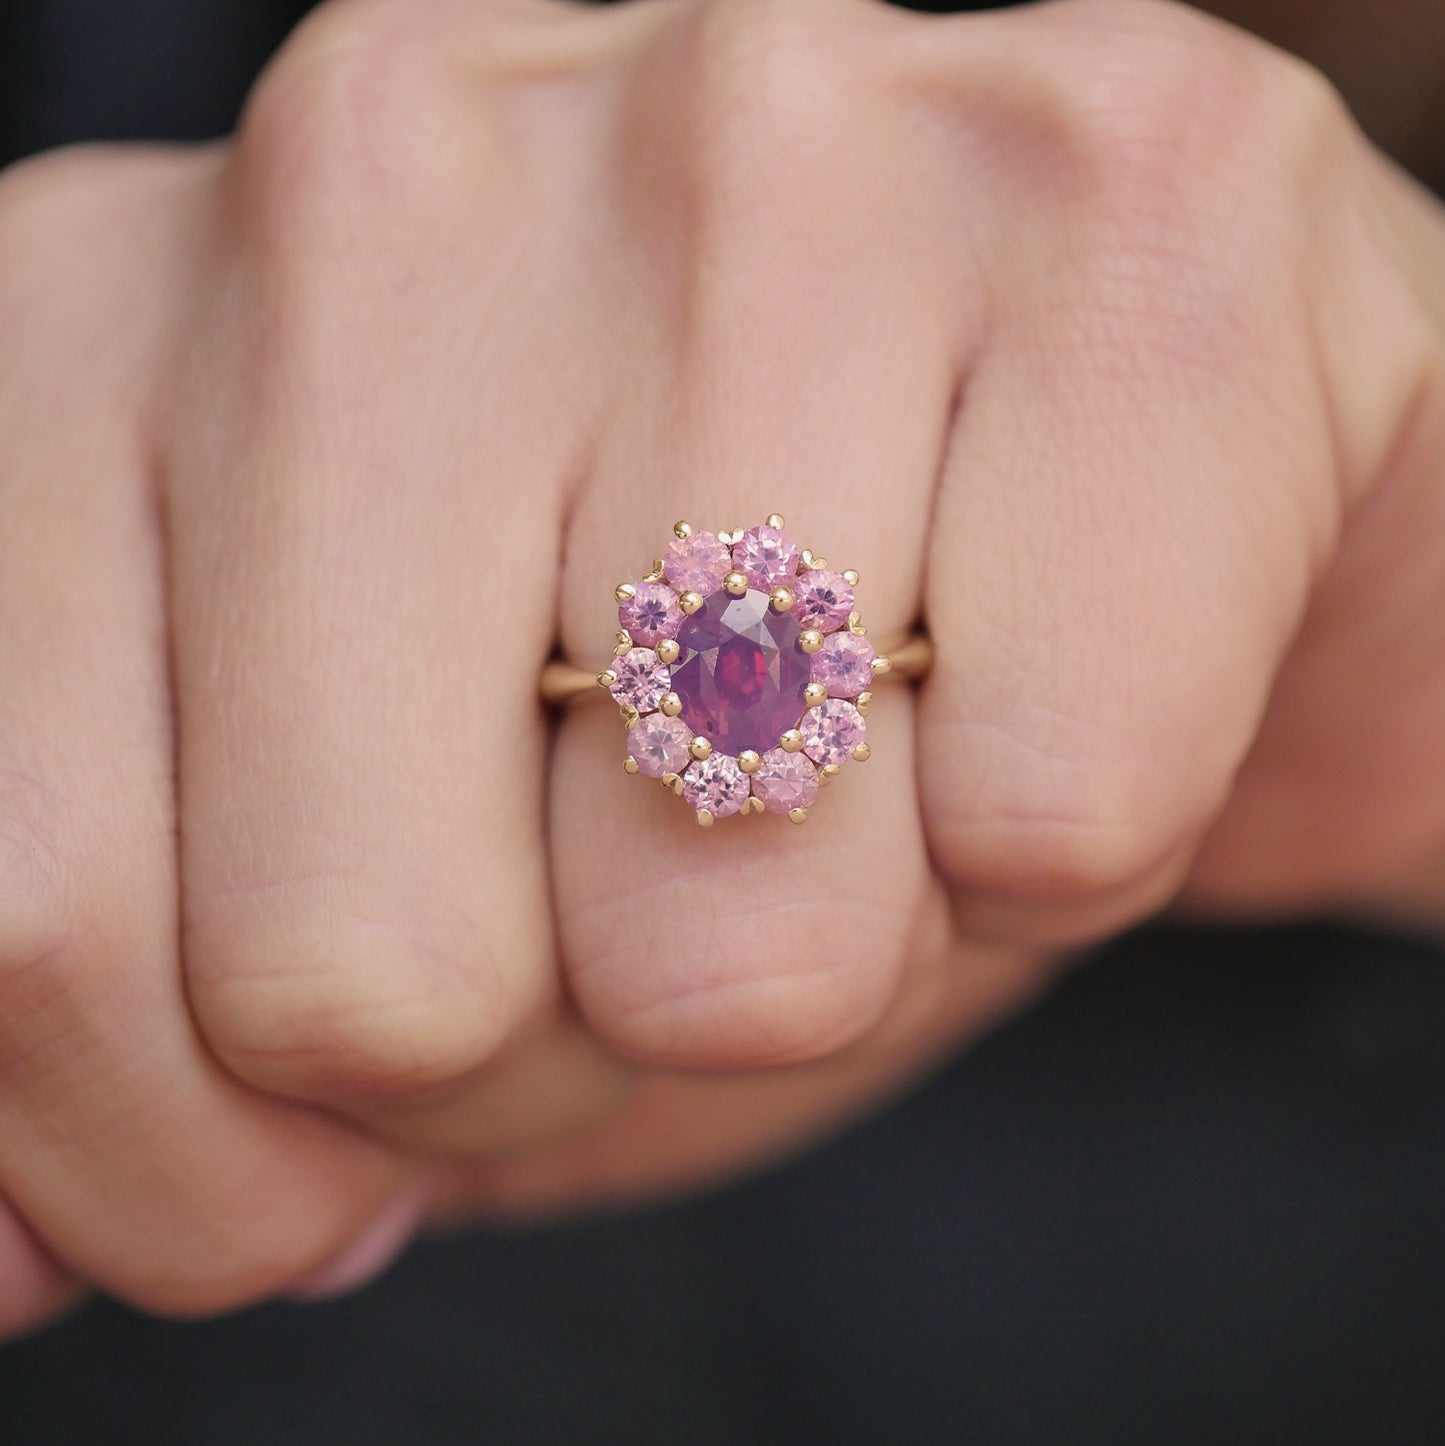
(369,1255)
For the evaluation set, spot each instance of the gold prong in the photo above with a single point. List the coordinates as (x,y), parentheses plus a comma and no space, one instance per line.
(749,760)
(606,678)
(850,576)
(629,764)
(791,741)
(810,640)
(862,753)
(882,665)
(818,563)
(798,815)
(672,781)
(775,519)
(623,591)
(630,715)
(736,583)
(655,574)
(670,705)
(855,625)
(805,558)
(667,651)
(704,818)
(682,530)
(782,599)
(828,773)
(621,649)
(700,748)
(862,701)
(736,535)
(753,805)
(814,694)
(690,602)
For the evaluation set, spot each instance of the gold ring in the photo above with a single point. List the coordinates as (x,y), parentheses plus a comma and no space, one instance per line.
(742,670)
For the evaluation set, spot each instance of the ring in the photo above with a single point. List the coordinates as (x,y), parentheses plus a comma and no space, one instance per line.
(743,672)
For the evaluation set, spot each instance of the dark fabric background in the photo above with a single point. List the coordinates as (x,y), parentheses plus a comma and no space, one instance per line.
(1195,1196)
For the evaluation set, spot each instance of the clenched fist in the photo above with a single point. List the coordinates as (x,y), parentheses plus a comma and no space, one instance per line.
(1093,334)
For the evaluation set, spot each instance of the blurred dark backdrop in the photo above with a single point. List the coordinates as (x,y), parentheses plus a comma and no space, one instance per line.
(1197,1195)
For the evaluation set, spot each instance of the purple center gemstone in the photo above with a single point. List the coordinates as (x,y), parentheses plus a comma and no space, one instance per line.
(740,674)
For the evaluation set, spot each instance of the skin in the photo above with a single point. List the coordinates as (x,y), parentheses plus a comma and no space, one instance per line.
(1093,333)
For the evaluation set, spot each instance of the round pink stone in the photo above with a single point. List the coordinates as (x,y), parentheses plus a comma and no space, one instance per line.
(697,563)
(658,744)
(844,665)
(650,614)
(767,556)
(823,599)
(717,784)
(831,732)
(785,781)
(642,679)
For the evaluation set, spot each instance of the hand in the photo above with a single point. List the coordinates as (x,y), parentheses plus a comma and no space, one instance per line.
(1094,332)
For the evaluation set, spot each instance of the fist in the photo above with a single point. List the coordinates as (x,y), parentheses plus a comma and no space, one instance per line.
(1093,334)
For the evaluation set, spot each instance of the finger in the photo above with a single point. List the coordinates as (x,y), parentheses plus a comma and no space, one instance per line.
(361,581)
(141,1167)
(799,375)
(685,1131)
(34,1288)
(1139,494)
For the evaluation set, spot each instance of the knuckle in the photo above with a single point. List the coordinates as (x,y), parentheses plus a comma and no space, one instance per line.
(1044,822)
(730,995)
(1176,100)
(346,1014)
(1043,860)
(776,90)
(238,1263)
(353,126)
(38,917)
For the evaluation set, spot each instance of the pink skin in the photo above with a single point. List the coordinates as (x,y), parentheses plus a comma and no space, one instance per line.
(33,1287)
(370,1255)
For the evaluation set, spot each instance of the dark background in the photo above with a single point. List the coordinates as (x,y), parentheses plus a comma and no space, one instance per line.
(1197,1195)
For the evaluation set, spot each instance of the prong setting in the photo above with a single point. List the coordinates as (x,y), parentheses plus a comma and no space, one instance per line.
(805,608)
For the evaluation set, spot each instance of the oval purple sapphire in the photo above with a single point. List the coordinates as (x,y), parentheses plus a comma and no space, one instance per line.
(740,673)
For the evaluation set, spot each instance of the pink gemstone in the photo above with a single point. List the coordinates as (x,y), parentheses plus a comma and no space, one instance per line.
(844,665)
(741,672)
(717,784)
(824,599)
(785,781)
(650,614)
(767,556)
(697,563)
(658,744)
(642,679)
(832,731)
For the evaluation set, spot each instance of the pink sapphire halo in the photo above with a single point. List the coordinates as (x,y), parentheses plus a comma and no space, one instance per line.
(743,672)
